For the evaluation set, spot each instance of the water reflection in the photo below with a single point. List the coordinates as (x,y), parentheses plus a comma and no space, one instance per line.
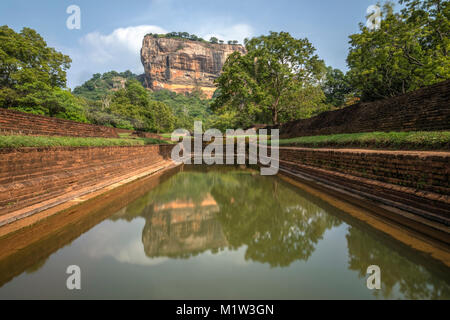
(194,212)
(237,224)
(412,279)
(276,223)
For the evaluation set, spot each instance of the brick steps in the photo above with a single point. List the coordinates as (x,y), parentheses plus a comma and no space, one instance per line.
(433,206)
(52,172)
(19,172)
(389,178)
(424,171)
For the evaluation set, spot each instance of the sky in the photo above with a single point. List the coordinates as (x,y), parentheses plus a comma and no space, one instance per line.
(111,31)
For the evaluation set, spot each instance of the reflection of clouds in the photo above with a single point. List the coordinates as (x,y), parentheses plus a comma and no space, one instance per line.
(121,240)
(133,253)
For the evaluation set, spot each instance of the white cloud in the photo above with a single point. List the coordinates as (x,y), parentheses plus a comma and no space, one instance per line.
(98,53)
(119,41)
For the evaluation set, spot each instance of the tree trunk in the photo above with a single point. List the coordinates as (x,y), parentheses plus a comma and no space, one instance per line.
(275,111)
(275,117)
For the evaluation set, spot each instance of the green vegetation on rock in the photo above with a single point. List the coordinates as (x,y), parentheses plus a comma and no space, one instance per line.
(187,36)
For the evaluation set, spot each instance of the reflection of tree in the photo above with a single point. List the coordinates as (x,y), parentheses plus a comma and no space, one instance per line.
(412,280)
(277,225)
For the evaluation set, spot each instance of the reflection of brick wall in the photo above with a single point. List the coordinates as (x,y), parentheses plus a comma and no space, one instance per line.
(417,179)
(427,109)
(33,175)
(20,123)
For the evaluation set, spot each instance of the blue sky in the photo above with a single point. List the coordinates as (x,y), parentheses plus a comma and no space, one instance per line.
(111,30)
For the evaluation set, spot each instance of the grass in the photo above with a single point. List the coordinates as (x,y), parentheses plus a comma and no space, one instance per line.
(373,140)
(421,140)
(41,141)
(125,135)
(166,135)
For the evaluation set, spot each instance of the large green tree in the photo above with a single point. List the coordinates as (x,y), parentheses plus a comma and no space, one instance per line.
(164,120)
(31,73)
(408,51)
(134,103)
(336,87)
(271,83)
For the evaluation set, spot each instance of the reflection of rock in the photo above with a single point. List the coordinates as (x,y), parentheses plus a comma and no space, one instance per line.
(182,228)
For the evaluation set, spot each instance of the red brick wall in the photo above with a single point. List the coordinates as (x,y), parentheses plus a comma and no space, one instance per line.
(420,170)
(20,123)
(419,180)
(427,109)
(32,175)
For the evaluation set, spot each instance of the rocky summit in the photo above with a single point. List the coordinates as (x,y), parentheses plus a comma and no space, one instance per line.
(181,65)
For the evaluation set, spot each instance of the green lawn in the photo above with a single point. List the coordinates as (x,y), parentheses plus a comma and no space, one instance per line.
(31,141)
(436,140)
(166,135)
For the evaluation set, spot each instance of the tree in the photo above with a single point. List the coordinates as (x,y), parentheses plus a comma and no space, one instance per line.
(336,87)
(214,40)
(31,73)
(408,51)
(100,85)
(265,84)
(133,103)
(164,120)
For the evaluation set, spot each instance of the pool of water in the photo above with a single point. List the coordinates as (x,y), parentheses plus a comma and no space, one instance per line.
(225,234)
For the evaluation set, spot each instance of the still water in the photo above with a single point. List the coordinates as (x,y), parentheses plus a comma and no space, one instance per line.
(225,234)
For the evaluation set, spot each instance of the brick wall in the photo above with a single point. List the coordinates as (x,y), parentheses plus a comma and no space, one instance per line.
(418,180)
(20,123)
(419,170)
(427,109)
(33,175)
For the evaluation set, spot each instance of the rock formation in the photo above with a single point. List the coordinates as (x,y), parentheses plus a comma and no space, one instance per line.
(181,65)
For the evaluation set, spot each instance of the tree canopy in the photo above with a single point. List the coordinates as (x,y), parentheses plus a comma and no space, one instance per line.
(336,87)
(271,83)
(33,75)
(408,51)
(101,84)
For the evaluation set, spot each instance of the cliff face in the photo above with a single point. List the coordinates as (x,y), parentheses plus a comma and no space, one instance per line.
(181,65)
